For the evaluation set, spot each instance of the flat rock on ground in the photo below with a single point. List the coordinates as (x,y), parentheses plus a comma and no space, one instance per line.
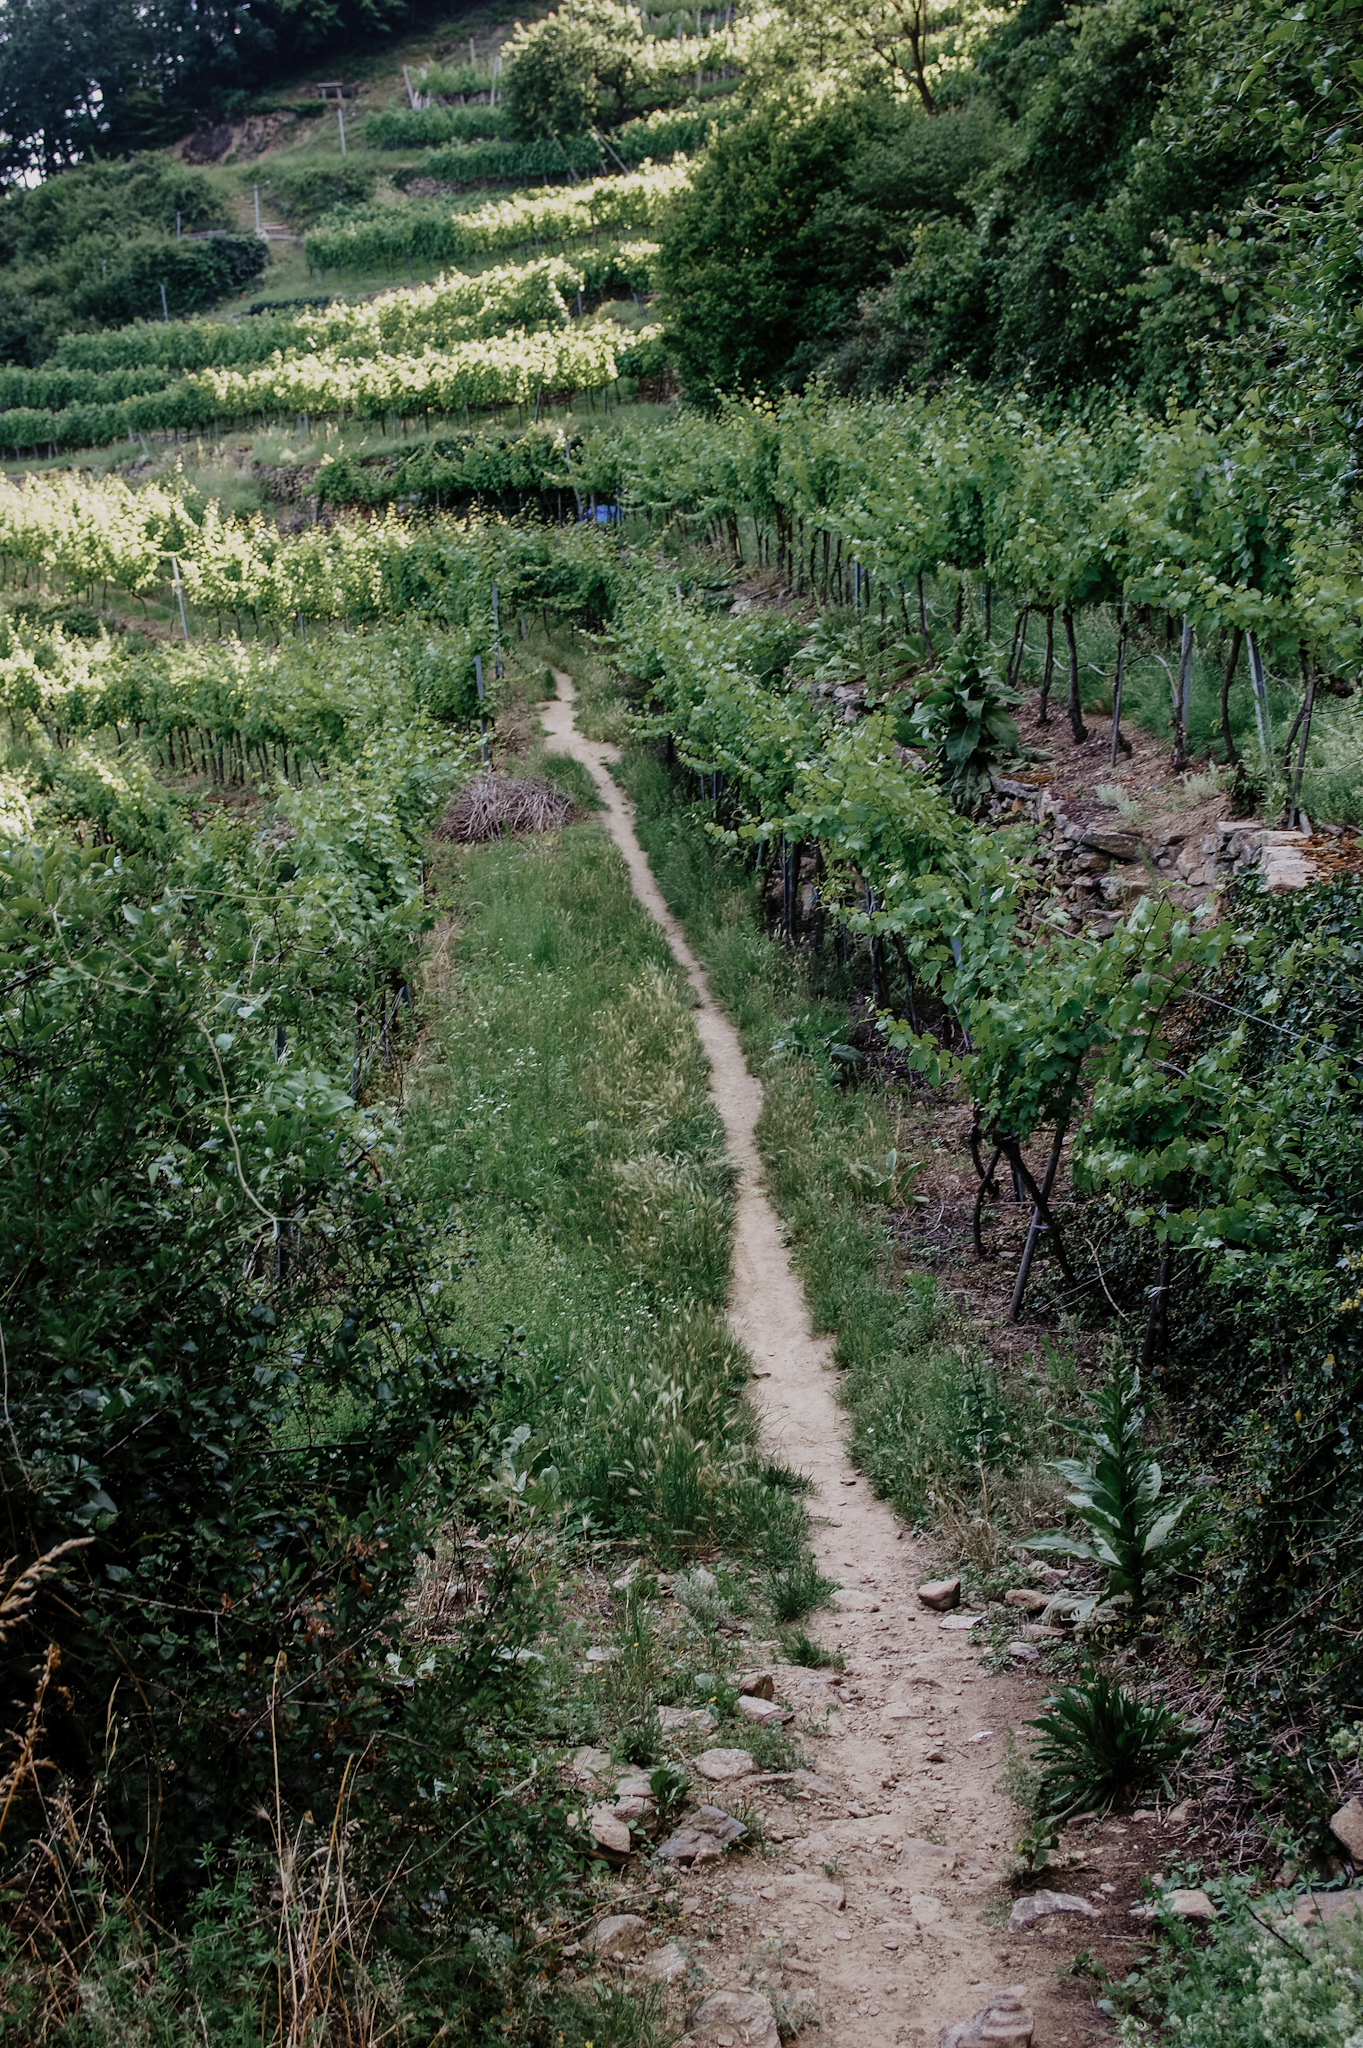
(1190,1904)
(609,1832)
(665,1965)
(733,2019)
(1041,1905)
(620,1934)
(1322,1909)
(721,1766)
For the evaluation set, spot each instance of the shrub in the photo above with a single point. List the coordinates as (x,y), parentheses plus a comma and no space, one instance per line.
(195,275)
(700,1596)
(572,69)
(965,722)
(230,1415)
(106,201)
(303,191)
(1247,1985)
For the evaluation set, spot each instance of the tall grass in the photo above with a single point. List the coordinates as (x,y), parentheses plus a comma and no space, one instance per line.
(562,1124)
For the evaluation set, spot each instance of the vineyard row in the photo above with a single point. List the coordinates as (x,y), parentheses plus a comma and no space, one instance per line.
(1217,525)
(510,369)
(378,236)
(456,307)
(450,133)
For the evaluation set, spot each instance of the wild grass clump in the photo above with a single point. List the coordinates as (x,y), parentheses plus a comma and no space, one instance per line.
(801,1648)
(797,1588)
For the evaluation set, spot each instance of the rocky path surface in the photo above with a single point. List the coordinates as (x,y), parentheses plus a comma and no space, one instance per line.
(884,1910)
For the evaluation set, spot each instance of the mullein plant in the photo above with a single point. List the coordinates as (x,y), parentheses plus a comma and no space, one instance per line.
(1138,1535)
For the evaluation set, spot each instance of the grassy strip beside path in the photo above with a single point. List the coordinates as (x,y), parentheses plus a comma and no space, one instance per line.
(916,1390)
(561,1125)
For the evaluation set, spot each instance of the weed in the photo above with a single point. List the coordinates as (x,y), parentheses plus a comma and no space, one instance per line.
(797,2014)
(1019,1780)
(983,1435)
(964,720)
(802,1649)
(603,2015)
(807,1038)
(772,1748)
(796,1589)
(814,1721)
(1098,1745)
(699,1594)
(1134,1535)
(1062,1372)
(1118,799)
(749,1818)
(831,1869)
(1195,789)
(1248,1986)
(669,1785)
(1028,1498)
(974,1538)
(785,1480)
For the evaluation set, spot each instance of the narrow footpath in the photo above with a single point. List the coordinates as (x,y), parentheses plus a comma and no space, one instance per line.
(908,1934)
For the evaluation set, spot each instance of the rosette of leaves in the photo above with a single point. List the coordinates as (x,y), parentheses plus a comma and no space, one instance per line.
(963,724)
(844,646)
(1097,1746)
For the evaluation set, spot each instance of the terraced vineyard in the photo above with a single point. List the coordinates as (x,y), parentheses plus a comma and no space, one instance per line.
(681,1068)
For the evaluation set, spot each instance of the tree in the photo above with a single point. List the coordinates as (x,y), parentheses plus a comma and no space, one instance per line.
(60,69)
(906,46)
(100,76)
(569,70)
(1122,227)
(790,215)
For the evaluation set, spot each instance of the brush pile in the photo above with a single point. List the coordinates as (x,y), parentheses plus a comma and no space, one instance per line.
(493,806)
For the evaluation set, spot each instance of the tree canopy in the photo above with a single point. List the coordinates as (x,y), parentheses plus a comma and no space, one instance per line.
(791,216)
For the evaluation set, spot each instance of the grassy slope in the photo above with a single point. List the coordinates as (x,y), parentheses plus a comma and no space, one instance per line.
(557,1126)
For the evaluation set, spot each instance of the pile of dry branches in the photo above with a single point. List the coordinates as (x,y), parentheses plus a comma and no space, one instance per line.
(493,806)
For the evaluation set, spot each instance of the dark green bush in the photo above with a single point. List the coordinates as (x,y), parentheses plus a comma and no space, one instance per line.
(221,1378)
(108,201)
(303,191)
(195,274)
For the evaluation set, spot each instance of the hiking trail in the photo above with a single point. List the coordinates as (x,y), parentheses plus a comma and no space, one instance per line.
(910,1819)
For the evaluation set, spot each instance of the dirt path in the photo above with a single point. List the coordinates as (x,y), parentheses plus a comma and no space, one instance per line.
(916,1846)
